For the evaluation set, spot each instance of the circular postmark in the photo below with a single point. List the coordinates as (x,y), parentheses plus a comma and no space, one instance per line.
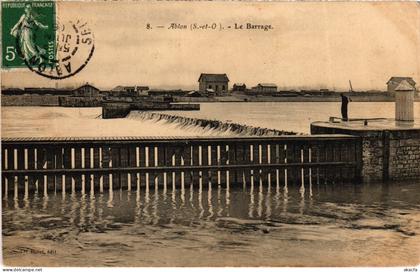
(67,54)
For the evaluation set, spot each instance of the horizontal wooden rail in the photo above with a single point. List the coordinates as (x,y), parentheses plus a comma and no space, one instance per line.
(170,139)
(175,168)
(120,162)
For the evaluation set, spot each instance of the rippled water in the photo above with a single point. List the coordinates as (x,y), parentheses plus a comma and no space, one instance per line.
(316,225)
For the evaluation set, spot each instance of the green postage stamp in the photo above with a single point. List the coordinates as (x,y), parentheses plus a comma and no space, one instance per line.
(28,33)
(33,38)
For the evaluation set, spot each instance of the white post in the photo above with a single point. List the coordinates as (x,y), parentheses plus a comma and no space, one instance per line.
(404,103)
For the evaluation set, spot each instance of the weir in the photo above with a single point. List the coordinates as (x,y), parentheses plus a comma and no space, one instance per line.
(235,128)
(120,109)
(87,164)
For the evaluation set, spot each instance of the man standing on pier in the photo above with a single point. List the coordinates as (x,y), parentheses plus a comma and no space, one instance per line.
(344,107)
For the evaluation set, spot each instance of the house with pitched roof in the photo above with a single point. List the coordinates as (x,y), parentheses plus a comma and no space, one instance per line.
(394,82)
(219,83)
(86,90)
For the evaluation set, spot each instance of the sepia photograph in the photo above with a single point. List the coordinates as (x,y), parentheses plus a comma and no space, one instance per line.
(174,134)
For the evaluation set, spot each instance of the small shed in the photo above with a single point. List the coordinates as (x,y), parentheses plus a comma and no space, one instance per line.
(239,87)
(394,82)
(404,101)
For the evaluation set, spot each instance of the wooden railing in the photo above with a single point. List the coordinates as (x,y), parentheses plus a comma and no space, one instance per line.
(64,164)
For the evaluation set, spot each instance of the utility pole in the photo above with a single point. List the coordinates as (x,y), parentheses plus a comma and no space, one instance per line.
(351,87)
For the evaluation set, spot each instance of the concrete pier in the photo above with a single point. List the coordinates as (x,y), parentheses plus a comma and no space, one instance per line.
(390,149)
(122,109)
(115,110)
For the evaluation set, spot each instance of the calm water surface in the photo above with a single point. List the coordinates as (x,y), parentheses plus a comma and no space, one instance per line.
(315,225)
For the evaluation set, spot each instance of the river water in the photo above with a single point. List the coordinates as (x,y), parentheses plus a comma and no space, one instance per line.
(72,122)
(323,225)
(291,116)
(315,224)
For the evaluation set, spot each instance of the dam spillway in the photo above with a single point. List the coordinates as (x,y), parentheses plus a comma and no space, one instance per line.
(228,128)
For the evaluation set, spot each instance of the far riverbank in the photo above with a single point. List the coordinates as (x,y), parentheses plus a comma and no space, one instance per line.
(53,100)
(261,98)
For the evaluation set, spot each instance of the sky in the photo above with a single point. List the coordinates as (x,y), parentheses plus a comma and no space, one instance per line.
(311,45)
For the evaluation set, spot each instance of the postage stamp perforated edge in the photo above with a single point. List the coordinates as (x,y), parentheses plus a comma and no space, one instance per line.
(12,13)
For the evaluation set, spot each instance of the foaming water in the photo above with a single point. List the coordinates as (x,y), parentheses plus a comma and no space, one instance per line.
(206,126)
(183,125)
(206,225)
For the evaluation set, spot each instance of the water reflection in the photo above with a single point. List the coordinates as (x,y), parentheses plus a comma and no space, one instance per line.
(155,208)
(262,202)
(251,202)
(209,202)
(283,212)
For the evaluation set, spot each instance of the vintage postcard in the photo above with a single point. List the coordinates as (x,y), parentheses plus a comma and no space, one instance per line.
(210,134)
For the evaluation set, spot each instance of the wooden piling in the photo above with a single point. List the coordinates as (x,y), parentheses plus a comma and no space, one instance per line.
(116,163)
(196,162)
(31,166)
(50,164)
(178,162)
(205,162)
(242,155)
(169,161)
(187,158)
(142,162)
(151,163)
(214,161)
(124,163)
(224,156)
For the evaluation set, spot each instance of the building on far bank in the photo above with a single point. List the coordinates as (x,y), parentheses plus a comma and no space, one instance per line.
(393,83)
(130,91)
(265,88)
(142,90)
(313,92)
(36,91)
(11,91)
(210,93)
(194,94)
(239,87)
(170,92)
(289,93)
(41,91)
(217,82)
(86,90)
